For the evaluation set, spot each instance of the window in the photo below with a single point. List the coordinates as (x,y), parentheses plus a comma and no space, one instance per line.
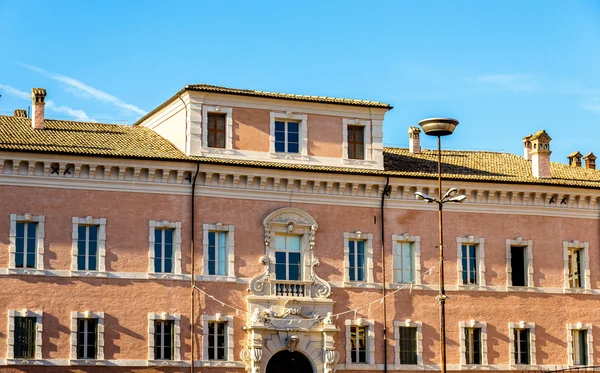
(521,346)
(24,337)
(358,343)
(405,262)
(217,253)
(579,340)
(87,248)
(357,259)
(577,266)
(163,339)
(574,267)
(408,344)
(356,142)
(287,138)
(26,244)
(473,345)
(580,349)
(87,337)
(287,257)
(469,264)
(216,341)
(518,264)
(216,130)
(163,250)
(218,242)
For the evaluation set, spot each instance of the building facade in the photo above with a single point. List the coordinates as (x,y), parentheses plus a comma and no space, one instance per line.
(233,230)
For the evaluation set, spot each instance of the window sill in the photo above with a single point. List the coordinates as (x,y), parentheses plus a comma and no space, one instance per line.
(165,276)
(578,291)
(471,287)
(167,363)
(473,366)
(521,289)
(88,274)
(360,285)
(97,362)
(226,151)
(24,362)
(289,156)
(398,285)
(358,366)
(221,363)
(26,271)
(358,162)
(216,278)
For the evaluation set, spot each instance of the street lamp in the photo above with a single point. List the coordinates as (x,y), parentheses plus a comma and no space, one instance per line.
(441,127)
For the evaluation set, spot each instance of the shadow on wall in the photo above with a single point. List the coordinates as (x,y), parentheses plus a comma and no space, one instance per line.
(53,331)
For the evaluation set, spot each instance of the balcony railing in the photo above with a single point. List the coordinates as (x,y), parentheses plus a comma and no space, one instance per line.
(286,288)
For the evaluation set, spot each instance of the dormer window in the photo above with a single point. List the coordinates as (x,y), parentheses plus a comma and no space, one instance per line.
(216,130)
(356,142)
(287,137)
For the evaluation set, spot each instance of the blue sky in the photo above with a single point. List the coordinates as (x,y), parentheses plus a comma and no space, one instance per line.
(504,69)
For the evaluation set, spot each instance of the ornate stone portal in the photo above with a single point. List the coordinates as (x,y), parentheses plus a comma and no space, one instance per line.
(290,314)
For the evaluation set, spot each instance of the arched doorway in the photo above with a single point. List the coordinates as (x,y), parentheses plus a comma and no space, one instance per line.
(289,362)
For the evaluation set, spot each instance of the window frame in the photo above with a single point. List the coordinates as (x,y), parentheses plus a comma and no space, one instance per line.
(585,266)
(75,317)
(415,242)
(176,227)
(370,343)
(12,314)
(12,248)
(368,145)
(229,230)
(528,247)
(588,328)
(512,326)
(229,341)
(215,109)
(163,316)
(368,260)
(355,141)
(480,261)
(100,249)
(302,120)
(473,324)
(215,131)
(411,324)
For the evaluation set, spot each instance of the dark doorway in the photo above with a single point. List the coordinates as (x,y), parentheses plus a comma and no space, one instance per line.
(289,362)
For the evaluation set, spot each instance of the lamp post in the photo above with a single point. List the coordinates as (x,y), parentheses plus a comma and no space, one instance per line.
(441,127)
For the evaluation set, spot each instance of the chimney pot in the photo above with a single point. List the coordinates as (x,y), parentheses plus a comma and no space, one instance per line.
(20,113)
(575,159)
(37,118)
(540,155)
(590,161)
(527,147)
(414,140)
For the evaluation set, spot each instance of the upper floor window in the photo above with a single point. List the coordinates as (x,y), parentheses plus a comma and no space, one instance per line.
(522,340)
(87,248)
(408,344)
(24,337)
(473,345)
(519,262)
(163,339)
(356,258)
(522,346)
(217,253)
(469,264)
(358,344)
(26,246)
(471,268)
(164,248)
(576,265)
(218,338)
(574,257)
(579,344)
(406,258)
(287,138)
(356,142)
(87,338)
(288,258)
(216,130)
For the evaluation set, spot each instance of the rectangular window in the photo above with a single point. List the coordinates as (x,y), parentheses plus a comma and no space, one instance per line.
(87,336)
(163,339)
(357,259)
(358,344)
(356,142)
(405,265)
(469,264)
(473,345)
(575,278)
(518,263)
(579,347)
(24,342)
(216,341)
(521,346)
(287,137)
(216,130)
(26,245)
(287,257)
(163,250)
(217,253)
(408,345)
(87,247)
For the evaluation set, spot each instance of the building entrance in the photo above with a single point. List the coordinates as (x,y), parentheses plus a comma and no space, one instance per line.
(289,362)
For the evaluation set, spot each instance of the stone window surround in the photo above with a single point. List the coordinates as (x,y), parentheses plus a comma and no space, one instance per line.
(463,343)
(575,244)
(414,324)
(415,241)
(302,135)
(219,227)
(228,111)
(101,248)
(229,341)
(176,318)
(480,243)
(370,325)
(369,265)
(10,353)
(160,224)
(75,316)
(511,341)
(519,242)
(12,247)
(306,252)
(367,139)
(589,342)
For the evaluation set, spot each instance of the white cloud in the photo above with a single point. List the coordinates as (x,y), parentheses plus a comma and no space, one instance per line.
(88,91)
(510,82)
(593,105)
(50,105)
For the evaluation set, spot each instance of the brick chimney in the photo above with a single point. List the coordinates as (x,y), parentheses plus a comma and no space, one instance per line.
(37,117)
(540,154)
(527,147)
(20,113)
(414,140)
(590,161)
(575,159)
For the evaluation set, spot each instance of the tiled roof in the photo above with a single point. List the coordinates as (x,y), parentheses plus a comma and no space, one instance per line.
(95,139)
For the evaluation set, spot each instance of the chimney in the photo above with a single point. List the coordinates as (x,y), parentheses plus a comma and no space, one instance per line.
(590,161)
(414,141)
(527,147)
(575,159)
(37,117)
(20,113)
(540,155)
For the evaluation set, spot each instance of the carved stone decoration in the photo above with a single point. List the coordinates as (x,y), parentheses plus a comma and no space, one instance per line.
(321,288)
(259,284)
(251,357)
(311,238)
(291,308)
(330,358)
(292,343)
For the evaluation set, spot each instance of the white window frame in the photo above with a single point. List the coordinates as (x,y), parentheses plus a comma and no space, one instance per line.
(480,243)
(413,324)
(228,320)
(463,342)
(101,249)
(165,224)
(589,343)
(585,265)
(347,122)
(415,242)
(176,318)
(370,325)
(229,230)
(305,248)
(302,120)
(75,316)
(528,245)
(10,353)
(12,247)
(369,265)
(228,111)
(511,340)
